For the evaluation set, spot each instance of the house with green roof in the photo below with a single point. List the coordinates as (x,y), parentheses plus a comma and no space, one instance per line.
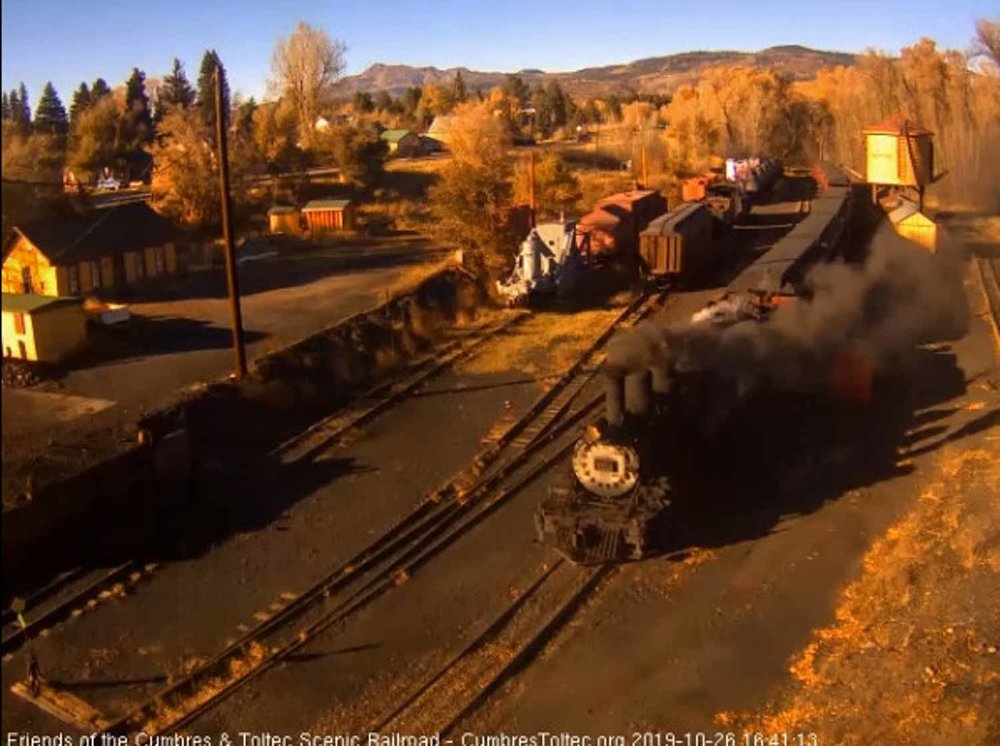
(43,328)
(402,143)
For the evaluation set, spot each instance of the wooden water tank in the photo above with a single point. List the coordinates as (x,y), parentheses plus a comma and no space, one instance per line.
(899,153)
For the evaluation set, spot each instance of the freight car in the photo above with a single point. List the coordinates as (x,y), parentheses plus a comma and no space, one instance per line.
(783,267)
(554,256)
(754,174)
(678,245)
(612,228)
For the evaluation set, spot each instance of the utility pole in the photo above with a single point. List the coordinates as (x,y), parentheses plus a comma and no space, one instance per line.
(645,171)
(531,185)
(232,278)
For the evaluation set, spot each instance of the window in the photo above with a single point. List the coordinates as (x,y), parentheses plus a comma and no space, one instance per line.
(95,275)
(73,279)
(26,279)
(139,262)
(19,323)
(158,259)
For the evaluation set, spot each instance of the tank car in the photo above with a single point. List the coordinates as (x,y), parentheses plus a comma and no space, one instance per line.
(608,509)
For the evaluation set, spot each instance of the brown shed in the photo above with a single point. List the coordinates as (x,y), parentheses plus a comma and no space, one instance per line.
(329,215)
(285,219)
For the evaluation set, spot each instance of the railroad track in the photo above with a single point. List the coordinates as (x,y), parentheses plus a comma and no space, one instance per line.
(79,589)
(989,274)
(468,677)
(502,469)
(327,431)
(69,593)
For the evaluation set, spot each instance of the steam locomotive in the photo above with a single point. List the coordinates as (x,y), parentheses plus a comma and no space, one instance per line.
(610,507)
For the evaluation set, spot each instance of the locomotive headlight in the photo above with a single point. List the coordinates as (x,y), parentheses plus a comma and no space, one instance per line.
(605,469)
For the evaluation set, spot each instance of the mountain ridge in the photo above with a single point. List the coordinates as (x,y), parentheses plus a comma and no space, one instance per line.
(660,74)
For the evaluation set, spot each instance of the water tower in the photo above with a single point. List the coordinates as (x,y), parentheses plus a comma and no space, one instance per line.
(899,155)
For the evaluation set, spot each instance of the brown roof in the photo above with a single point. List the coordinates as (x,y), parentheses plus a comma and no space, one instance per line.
(627,198)
(107,232)
(896,125)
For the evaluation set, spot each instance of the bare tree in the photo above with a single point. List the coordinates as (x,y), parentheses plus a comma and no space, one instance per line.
(986,45)
(305,67)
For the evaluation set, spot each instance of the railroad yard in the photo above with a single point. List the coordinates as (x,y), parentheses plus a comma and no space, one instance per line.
(354,402)
(378,570)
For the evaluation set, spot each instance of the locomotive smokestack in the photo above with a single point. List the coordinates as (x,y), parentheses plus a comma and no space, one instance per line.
(614,396)
(638,392)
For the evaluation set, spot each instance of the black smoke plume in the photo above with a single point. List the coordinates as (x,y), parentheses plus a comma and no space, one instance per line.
(900,298)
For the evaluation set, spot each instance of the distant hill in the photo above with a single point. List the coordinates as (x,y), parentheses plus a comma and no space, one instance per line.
(653,74)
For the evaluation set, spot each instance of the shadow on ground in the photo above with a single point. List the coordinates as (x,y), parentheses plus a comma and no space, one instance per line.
(278,272)
(785,456)
(147,336)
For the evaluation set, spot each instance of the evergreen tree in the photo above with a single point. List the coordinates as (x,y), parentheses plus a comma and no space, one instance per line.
(383,102)
(138,118)
(363,102)
(411,100)
(21,107)
(50,114)
(13,107)
(176,90)
(99,89)
(206,89)
(244,116)
(80,103)
(516,88)
(458,91)
(6,107)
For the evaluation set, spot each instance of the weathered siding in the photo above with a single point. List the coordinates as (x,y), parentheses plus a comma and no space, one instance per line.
(59,332)
(21,346)
(24,256)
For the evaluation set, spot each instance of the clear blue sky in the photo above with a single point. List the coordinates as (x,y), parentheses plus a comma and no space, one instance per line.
(67,41)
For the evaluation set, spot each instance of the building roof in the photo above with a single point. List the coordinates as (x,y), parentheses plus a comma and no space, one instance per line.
(896,125)
(442,123)
(326,204)
(105,232)
(907,210)
(32,303)
(394,135)
(282,210)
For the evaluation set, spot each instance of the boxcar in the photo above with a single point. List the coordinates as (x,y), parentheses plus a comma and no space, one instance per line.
(679,244)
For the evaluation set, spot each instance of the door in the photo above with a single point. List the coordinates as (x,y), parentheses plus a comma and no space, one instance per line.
(26,280)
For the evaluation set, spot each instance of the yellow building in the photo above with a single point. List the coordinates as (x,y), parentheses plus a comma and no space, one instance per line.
(284,219)
(41,327)
(329,215)
(910,223)
(899,153)
(101,250)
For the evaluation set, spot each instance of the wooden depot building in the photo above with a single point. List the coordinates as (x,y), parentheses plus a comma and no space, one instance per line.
(106,249)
